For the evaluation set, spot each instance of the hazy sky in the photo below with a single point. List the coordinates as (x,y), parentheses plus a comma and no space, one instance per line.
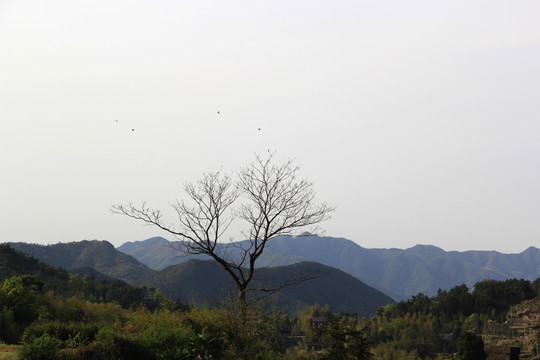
(418,120)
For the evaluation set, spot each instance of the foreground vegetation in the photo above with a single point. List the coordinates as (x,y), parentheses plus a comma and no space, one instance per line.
(446,326)
(57,315)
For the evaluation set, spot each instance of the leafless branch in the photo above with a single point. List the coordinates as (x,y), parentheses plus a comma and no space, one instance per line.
(273,202)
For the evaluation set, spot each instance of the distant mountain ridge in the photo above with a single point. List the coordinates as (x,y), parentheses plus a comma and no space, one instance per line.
(155,253)
(398,273)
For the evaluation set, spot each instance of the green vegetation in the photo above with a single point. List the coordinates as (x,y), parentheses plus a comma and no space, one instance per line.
(99,255)
(446,326)
(470,347)
(50,326)
(66,316)
(8,352)
(192,281)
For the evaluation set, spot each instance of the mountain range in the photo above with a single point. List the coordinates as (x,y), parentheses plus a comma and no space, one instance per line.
(396,272)
(202,281)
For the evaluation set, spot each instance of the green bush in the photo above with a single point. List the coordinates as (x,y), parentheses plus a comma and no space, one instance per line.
(106,343)
(44,347)
(165,342)
(9,330)
(18,295)
(470,347)
(205,346)
(112,346)
(72,334)
(269,354)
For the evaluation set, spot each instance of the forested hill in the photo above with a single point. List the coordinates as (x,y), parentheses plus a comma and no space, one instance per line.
(15,263)
(99,255)
(194,281)
(399,273)
(44,277)
(206,282)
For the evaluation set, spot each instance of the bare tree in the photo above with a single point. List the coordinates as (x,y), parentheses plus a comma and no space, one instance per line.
(268,198)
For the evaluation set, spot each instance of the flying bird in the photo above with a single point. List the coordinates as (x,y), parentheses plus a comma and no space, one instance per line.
(218,112)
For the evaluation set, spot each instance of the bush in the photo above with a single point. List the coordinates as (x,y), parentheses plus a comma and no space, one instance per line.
(44,347)
(112,346)
(269,354)
(73,334)
(165,342)
(205,346)
(470,347)
(106,343)
(9,330)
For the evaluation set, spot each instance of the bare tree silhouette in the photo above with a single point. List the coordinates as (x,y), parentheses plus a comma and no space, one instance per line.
(269,199)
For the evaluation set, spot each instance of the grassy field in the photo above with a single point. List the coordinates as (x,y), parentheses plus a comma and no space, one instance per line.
(8,352)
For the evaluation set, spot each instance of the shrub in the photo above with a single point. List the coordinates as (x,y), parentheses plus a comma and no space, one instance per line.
(112,346)
(44,347)
(269,354)
(205,346)
(165,342)
(9,330)
(106,344)
(72,334)
(470,347)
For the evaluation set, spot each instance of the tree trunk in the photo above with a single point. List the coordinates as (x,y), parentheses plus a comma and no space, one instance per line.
(242,303)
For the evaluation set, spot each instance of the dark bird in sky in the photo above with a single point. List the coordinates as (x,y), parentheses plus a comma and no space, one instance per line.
(259,129)
(218,112)
(132,129)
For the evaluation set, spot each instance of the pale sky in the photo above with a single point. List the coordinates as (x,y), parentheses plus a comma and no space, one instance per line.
(418,120)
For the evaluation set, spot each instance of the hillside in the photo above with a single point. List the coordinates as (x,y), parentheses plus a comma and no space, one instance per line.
(398,273)
(206,282)
(14,263)
(97,287)
(99,255)
(521,329)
